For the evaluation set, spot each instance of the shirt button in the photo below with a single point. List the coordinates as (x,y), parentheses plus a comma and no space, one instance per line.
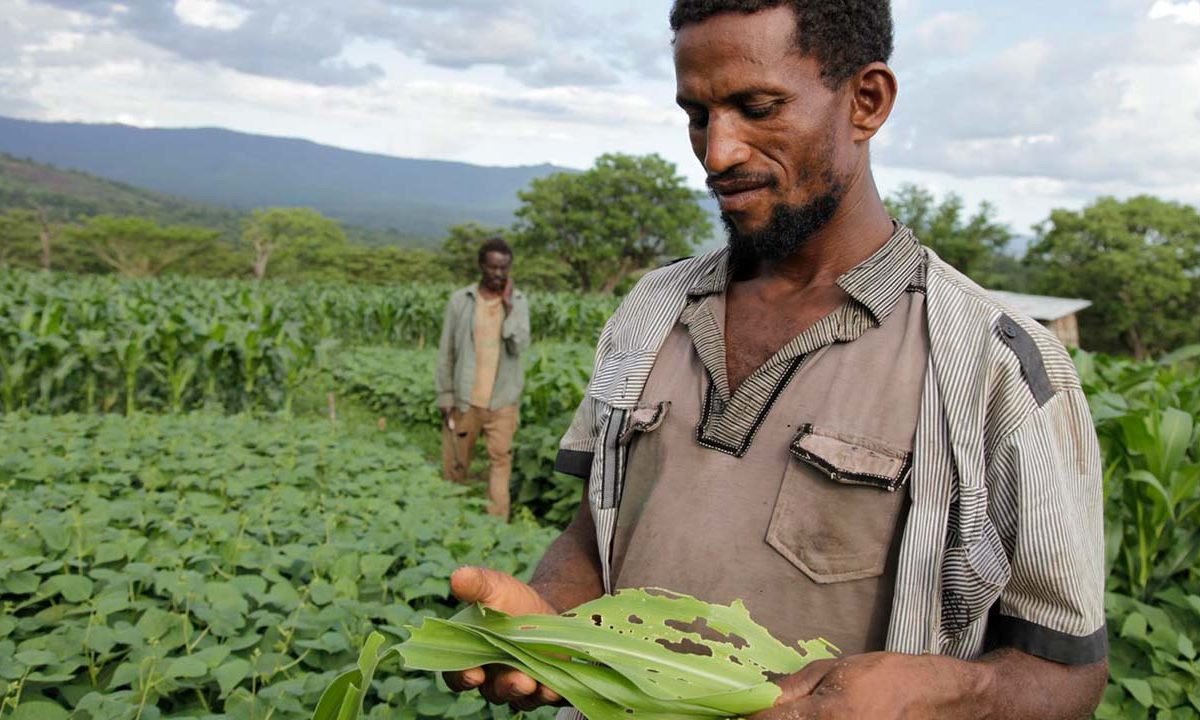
(1009,330)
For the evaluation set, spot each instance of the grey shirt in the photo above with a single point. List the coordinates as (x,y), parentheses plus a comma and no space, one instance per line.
(1003,541)
(788,494)
(456,352)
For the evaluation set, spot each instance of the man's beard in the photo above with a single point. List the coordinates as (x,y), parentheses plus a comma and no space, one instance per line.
(790,227)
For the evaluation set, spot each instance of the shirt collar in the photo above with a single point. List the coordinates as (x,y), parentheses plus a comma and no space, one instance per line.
(879,281)
(875,283)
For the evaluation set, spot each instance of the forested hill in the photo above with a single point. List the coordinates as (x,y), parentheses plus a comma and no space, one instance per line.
(72,196)
(241,171)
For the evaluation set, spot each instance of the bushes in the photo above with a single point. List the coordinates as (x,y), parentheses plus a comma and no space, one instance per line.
(207,564)
(398,384)
(1145,416)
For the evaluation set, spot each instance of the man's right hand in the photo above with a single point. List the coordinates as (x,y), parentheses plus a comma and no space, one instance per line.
(497,683)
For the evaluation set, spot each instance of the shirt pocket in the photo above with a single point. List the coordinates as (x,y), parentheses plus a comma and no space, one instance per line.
(839,505)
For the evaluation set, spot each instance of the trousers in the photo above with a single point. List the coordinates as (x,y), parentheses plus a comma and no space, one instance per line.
(497,427)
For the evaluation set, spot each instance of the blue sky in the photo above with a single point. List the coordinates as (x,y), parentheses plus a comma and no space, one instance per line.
(1029,104)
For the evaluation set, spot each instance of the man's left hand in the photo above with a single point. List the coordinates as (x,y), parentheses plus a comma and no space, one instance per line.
(879,686)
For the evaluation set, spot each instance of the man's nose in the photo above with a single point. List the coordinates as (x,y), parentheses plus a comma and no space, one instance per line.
(724,147)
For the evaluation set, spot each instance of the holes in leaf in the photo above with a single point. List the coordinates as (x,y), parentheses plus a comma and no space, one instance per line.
(686,646)
(699,626)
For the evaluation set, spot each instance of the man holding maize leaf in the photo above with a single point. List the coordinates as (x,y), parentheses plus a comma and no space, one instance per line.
(825,420)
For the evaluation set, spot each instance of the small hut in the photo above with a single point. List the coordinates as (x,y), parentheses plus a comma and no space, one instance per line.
(1057,314)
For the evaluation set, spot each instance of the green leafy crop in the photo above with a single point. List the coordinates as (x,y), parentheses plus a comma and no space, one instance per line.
(639,653)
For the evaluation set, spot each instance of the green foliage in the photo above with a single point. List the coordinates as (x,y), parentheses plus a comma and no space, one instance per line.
(623,215)
(1137,260)
(973,245)
(398,385)
(614,657)
(223,567)
(1153,662)
(297,237)
(98,343)
(19,242)
(1145,416)
(138,248)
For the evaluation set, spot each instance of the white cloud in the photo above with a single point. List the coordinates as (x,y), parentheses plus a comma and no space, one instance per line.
(1187,13)
(211,14)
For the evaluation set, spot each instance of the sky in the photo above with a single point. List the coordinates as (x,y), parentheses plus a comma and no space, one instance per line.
(1028,104)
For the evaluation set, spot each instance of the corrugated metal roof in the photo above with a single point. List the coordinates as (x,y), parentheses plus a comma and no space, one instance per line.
(1042,307)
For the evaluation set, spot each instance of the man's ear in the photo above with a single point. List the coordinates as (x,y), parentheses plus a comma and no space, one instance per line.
(872,97)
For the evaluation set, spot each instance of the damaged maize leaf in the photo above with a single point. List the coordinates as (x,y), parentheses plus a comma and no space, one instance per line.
(643,653)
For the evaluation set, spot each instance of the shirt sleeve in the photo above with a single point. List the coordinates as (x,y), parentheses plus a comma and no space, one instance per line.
(578,445)
(446,358)
(1046,488)
(515,330)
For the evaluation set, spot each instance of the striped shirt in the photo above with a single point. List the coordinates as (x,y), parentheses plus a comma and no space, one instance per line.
(1003,544)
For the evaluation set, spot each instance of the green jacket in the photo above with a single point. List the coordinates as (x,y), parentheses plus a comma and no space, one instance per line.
(456,352)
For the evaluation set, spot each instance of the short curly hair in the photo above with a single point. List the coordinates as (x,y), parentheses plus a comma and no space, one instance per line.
(843,35)
(494,244)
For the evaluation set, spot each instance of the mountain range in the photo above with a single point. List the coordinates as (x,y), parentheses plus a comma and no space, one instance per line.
(239,171)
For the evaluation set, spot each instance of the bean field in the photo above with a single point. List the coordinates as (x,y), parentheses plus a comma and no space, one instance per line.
(211,492)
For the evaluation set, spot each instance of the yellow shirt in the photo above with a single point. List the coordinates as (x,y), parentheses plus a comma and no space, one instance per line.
(489,319)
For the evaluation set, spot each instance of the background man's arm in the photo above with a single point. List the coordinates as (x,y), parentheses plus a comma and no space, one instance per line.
(446,357)
(515,330)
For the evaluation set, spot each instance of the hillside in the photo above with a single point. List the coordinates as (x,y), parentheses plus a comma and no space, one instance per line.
(70,195)
(242,171)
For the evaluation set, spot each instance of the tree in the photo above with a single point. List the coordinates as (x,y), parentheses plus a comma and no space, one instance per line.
(292,232)
(139,247)
(18,239)
(623,215)
(1137,260)
(388,265)
(974,245)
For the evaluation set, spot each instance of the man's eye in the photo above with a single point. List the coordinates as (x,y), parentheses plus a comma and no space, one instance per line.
(759,112)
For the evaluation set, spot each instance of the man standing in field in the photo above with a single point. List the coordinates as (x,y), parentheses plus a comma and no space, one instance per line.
(479,372)
(827,421)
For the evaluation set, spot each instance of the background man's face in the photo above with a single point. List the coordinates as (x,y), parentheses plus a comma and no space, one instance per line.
(761,121)
(495,267)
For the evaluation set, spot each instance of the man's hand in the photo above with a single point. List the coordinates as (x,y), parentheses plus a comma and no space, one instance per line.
(507,296)
(497,683)
(881,686)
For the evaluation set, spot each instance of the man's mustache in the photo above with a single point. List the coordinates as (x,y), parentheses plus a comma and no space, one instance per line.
(740,177)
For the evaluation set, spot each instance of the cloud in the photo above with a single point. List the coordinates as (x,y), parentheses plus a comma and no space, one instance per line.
(539,42)
(1186,13)
(1084,109)
(211,14)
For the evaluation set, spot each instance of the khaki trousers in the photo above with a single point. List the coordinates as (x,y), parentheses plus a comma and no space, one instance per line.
(498,427)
